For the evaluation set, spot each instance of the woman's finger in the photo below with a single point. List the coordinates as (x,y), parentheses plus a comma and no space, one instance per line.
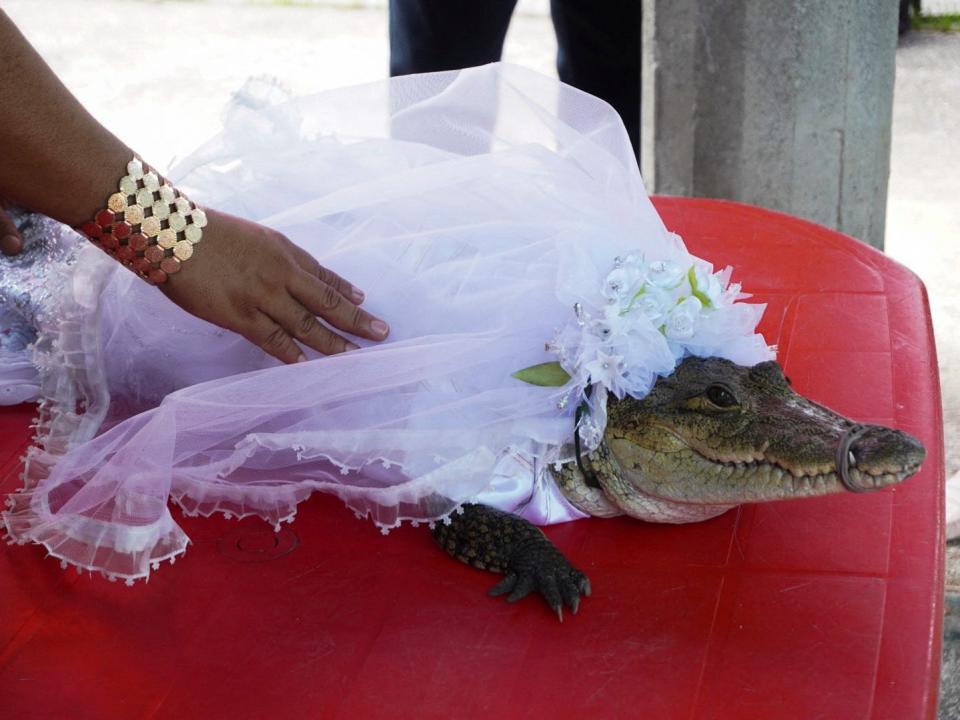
(302,325)
(309,263)
(10,241)
(273,339)
(324,301)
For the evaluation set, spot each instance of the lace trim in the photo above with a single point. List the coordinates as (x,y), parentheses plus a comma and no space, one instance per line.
(75,400)
(241,501)
(231,513)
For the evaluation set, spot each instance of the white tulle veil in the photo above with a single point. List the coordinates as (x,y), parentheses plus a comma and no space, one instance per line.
(494,217)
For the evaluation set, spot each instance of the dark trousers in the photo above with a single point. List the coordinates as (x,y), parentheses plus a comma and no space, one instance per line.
(598,43)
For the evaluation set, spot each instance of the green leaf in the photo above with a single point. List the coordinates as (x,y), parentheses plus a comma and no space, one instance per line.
(548,374)
(634,299)
(696,291)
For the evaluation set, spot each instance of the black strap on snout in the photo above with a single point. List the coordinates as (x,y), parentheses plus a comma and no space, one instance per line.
(852,434)
(589,477)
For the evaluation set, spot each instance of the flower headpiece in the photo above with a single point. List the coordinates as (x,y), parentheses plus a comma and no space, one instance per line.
(648,316)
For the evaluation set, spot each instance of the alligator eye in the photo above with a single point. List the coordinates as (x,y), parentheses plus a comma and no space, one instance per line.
(721,397)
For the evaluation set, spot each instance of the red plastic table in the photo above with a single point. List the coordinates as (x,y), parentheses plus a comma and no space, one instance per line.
(825,608)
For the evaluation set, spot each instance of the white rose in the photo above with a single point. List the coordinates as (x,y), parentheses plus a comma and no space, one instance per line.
(683,319)
(706,286)
(664,274)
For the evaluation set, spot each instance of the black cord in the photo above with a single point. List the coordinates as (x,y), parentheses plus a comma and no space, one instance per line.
(589,477)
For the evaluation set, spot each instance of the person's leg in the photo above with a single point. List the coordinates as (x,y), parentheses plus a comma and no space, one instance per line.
(598,51)
(434,35)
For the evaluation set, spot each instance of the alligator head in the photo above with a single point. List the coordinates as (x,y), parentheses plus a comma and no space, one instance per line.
(718,434)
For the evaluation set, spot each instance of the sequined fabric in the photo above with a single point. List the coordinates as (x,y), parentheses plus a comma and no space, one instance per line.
(26,291)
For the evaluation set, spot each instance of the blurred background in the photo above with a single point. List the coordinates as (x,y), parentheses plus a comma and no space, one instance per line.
(158,73)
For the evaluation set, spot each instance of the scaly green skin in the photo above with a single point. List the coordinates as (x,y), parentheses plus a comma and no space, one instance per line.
(680,446)
(710,436)
(500,542)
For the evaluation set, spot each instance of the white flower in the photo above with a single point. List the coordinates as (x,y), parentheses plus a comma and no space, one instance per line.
(624,281)
(654,305)
(705,286)
(606,370)
(664,274)
(683,319)
(617,284)
(643,318)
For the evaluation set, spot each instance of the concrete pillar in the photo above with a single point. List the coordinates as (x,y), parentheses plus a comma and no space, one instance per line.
(781,103)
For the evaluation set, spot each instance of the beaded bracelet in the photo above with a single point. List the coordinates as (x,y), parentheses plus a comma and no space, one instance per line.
(148,225)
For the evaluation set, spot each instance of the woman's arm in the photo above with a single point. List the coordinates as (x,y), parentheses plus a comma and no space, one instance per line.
(56,159)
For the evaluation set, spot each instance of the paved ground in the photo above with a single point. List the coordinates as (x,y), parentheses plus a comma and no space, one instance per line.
(923,215)
(950,672)
(195,53)
(923,219)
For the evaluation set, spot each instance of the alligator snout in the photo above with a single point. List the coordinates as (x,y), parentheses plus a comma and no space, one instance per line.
(717,433)
(871,457)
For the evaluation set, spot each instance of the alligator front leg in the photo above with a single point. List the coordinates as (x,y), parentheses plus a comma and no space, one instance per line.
(500,542)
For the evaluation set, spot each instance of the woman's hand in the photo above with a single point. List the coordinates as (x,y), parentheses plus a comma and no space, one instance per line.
(10,241)
(253,280)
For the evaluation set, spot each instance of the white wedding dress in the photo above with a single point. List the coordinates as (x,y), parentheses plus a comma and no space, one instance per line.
(484,212)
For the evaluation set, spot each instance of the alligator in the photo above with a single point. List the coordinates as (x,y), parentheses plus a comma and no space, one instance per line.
(708,437)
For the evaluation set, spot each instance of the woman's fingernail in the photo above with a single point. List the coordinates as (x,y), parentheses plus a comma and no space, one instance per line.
(302,358)
(380,328)
(357,295)
(348,346)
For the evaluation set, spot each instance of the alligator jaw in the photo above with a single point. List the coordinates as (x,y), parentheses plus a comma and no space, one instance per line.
(686,476)
(762,442)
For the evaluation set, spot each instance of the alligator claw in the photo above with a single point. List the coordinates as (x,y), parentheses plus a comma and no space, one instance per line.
(571,596)
(504,586)
(521,590)
(495,540)
(542,568)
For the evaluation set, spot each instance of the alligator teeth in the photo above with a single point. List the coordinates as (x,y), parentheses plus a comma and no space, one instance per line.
(851,459)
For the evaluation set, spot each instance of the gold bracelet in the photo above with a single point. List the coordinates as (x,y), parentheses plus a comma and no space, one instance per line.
(148,225)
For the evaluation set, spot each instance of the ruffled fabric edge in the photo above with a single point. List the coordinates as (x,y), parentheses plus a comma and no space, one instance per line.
(73,403)
(74,400)
(19,383)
